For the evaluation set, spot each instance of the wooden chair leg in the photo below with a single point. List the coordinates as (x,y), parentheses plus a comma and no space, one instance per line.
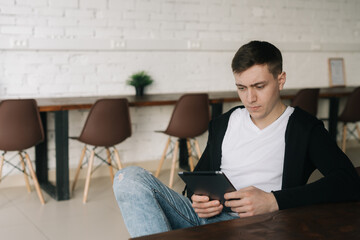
(78,168)
(343,146)
(117,157)
(1,164)
(110,166)
(197,148)
(162,158)
(25,174)
(171,181)
(191,162)
(88,175)
(358,130)
(33,175)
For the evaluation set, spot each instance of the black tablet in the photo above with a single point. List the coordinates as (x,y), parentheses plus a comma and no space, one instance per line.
(212,184)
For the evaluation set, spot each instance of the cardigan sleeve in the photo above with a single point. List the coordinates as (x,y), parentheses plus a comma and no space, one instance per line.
(340,181)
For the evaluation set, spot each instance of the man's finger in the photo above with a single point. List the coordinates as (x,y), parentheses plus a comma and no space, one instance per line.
(242,209)
(214,203)
(241,193)
(208,210)
(208,215)
(233,195)
(235,203)
(198,198)
(247,214)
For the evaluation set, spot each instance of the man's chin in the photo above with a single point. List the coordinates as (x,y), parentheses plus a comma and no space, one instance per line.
(255,114)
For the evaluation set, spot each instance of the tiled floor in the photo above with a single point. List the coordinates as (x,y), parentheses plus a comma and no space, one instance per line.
(23,217)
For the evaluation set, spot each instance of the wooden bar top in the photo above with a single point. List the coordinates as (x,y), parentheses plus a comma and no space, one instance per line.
(71,103)
(325,221)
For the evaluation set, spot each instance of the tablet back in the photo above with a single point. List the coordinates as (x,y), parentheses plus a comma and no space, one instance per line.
(212,184)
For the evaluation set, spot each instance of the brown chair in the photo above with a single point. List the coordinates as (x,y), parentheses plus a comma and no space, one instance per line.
(307,99)
(350,114)
(358,170)
(20,129)
(107,125)
(189,119)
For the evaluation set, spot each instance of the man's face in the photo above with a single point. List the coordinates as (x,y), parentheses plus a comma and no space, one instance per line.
(259,91)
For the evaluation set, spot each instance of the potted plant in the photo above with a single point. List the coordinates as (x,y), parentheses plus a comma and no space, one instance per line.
(140,80)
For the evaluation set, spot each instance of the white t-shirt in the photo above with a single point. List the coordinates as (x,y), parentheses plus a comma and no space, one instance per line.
(253,156)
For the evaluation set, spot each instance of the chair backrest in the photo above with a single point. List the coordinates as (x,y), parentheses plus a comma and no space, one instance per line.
(190,117)
(358,170)
(307,99)
(107,124)
(20,125)
(351,112)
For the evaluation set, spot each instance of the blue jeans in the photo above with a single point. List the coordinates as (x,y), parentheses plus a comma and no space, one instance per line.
(148,206)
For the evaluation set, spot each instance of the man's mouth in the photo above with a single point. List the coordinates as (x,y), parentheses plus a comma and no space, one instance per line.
(254,108)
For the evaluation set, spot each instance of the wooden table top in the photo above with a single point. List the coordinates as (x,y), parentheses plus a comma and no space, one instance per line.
(71,103)
(325,221)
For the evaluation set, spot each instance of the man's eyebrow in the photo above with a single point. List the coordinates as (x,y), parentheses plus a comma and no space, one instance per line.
(258,83)
(252,85)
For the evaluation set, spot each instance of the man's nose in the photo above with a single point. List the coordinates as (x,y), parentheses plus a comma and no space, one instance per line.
(251,96)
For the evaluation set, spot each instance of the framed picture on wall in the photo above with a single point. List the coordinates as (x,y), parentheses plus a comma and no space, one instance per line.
(337,72)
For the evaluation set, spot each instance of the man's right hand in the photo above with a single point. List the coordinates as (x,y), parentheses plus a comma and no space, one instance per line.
(205,208)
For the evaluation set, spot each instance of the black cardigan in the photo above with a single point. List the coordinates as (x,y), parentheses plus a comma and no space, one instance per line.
(308,146)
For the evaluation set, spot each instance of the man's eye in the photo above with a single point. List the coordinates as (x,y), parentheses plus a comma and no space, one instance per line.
(241,88)
(260,86)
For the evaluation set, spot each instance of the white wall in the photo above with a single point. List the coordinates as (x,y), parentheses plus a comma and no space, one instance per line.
(51,48)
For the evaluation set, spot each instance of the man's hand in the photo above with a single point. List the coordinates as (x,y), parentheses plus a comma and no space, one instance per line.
(251,201)
(205,208)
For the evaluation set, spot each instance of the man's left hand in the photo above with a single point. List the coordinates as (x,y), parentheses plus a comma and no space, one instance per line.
(251,201)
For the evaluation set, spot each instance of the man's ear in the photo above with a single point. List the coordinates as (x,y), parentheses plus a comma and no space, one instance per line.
(281,80)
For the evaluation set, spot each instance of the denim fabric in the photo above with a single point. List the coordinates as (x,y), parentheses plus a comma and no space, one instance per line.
(148,206)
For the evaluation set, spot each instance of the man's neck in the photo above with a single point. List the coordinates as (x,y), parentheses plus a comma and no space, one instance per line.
(275,114)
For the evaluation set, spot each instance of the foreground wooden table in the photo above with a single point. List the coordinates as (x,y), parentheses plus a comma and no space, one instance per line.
(318,222)
(61,107)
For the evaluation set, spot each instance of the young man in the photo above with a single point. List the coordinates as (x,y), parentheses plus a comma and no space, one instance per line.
(266,149)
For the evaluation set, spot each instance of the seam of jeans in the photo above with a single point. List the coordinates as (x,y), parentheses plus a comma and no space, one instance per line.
(180,214)
(162,213)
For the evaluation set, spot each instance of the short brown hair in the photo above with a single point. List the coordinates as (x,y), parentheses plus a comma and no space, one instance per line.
(257,53)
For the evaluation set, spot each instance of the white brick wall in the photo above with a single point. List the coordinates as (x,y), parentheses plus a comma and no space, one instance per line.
(67,49)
